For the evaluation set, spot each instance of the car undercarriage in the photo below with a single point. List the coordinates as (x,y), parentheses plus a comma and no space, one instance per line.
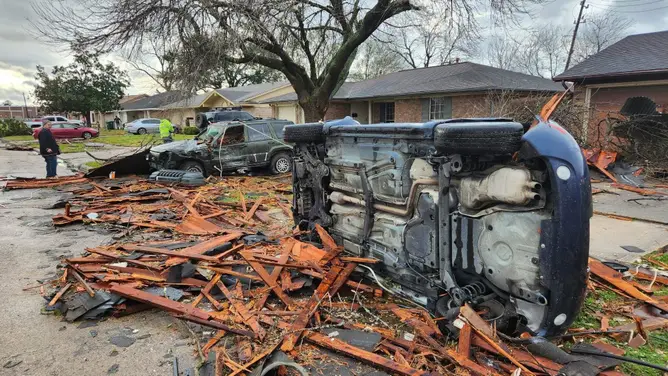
(475,211)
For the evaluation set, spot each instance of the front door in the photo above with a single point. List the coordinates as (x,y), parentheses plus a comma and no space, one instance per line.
(260,142)
(229,151)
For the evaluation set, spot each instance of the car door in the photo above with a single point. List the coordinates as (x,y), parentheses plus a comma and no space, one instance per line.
(229,151)
(70,130)
(260,143)
(152,125)
(58,131)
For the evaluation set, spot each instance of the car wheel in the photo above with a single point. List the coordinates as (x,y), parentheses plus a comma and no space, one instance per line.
(192,166)
(141,131)
(478,138)
(304,133)
(281,163)
(86,135)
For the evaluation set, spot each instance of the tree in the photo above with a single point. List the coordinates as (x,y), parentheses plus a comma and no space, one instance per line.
(83,86)
(233,75)
(312,42)
(375,59)
(503,53)
(158,62)
(598,32)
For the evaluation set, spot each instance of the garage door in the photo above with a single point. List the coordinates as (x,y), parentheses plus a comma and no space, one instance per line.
(287,112)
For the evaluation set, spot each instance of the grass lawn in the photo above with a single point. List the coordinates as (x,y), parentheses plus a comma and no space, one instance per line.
(18,138)
(602,301)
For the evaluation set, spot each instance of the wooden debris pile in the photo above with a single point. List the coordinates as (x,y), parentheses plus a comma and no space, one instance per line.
(263,295)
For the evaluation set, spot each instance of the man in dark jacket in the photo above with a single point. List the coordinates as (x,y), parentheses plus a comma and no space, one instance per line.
(49,149)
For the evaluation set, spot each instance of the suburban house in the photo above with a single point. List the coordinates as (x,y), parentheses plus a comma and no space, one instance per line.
(415,95)
(181,109)
(635,66)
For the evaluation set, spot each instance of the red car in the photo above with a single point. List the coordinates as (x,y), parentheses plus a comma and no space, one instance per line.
(69,130)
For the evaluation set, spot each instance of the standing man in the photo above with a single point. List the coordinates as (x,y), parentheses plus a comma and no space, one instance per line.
(49,149)
(117,122)
(166,131)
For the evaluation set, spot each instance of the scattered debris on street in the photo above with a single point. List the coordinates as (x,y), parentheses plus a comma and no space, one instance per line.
(224,258)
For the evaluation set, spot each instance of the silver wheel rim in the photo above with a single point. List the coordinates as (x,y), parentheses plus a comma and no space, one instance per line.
(86,135)
(141,131)
(282,165)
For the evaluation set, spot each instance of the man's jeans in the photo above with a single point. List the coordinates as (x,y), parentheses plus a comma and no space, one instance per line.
(166,140)
(51,165)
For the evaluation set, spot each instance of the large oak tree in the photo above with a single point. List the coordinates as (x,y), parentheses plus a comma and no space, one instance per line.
(312,42)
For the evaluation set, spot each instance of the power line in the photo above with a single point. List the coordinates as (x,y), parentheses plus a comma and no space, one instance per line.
(629,11)
(611,6)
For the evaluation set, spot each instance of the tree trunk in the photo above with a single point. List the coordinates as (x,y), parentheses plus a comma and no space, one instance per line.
(313,112)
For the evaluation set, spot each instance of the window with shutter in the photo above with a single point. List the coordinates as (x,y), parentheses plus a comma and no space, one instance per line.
(387,112)
(440,108)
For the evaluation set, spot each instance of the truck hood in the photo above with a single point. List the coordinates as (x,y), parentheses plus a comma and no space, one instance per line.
(178,147)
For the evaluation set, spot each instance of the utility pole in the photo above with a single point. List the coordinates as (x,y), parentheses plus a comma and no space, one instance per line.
(25,106)
(575,33)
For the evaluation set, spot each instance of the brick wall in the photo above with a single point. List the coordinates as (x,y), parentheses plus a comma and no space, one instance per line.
(470,106)
(606,102)
(263,112)
(407,111)
(337,111)
(18,112)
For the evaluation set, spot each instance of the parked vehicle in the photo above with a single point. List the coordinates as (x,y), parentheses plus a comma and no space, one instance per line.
(457,211)
(205,118)
(143,126)
(69,130)
(33,123)
(59,118)
(228,147)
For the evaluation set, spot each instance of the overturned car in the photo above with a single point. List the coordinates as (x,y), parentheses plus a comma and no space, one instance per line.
(228,147)
(475,211)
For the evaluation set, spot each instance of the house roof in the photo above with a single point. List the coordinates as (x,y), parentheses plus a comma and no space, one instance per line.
(635,54)
(155,101)
(241,93)
(453,78)
(192,101)
(132,98)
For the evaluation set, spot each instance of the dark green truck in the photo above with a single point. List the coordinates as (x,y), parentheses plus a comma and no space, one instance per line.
(228,147)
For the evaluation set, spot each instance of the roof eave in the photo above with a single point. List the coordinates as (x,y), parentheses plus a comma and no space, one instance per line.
(577,78)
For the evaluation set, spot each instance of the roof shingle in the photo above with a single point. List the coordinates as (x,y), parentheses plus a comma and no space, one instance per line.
(453,78)
(635,54)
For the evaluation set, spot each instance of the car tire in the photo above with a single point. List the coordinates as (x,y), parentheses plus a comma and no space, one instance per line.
(141,131)
(304,133)
(192,166)
(281,163)
(87,135)
(481,138)
(201,121)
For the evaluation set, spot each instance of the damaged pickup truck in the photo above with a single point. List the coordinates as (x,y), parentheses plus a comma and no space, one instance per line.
(475,211)
(228,147)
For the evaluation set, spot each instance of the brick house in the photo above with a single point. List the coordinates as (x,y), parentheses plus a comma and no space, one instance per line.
(635,66)
(417,95)
(19,112)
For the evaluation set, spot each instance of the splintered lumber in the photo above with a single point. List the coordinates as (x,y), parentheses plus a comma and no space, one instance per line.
(216,325)
(407,317)
(287,247)
(59,294)
(271,282)
(337,345)
(530,360)
(159,301)
(330,245)
(252,210)
(476,321)
(233,273)
(248,318)
(81,280)
(119,257)
(256,359)
(335,277)
(356,286)
(161,251)
(464,345)
(615,278)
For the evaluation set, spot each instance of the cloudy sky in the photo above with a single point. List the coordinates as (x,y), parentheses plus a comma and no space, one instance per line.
(20,51)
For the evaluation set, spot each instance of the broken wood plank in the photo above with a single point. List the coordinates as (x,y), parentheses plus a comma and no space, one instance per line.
(337,345)
(615,278)
(464,344)
(158,301)
(81,280)
(59,294)
(271,282)
(355,286)
(161,251)
(215,325)
(476,321)
(256,359)
(301,321)
(233,273)
(536,362)
(247,317)
(287,247)
(252,210)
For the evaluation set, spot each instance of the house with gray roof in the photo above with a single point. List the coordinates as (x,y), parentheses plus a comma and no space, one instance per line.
(635,66)
(414,95)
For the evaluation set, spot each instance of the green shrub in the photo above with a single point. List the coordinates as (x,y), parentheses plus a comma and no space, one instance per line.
(13,127)
(191,130)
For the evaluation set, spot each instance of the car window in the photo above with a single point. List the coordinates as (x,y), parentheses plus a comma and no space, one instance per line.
(50,118)
(232,136)
(69,125)
(57,126)
(259,132)
(232,116)
(60,118)
(278,129)
(153,121)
